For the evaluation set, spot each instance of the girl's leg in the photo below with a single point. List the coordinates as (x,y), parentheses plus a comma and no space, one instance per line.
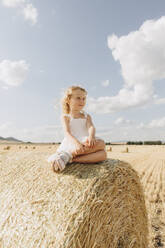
(100,145)
(91,157)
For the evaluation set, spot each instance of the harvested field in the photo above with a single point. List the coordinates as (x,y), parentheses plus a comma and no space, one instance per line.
(26,163)
(149,162)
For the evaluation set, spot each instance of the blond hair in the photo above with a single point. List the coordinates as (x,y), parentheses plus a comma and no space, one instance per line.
(67,96)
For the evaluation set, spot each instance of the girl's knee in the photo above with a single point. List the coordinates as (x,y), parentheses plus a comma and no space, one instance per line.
(101,144)
(104,155)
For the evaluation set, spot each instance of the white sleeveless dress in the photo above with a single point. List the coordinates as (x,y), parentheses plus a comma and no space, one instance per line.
(79,130)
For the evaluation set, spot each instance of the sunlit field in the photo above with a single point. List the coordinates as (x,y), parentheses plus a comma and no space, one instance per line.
(148,161)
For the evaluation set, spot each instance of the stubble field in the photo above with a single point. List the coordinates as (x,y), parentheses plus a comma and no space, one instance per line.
(148,161)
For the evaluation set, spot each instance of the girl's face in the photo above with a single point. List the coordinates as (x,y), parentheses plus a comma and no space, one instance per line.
(77,100)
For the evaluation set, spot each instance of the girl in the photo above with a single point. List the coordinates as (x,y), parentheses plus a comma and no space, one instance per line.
(79,144)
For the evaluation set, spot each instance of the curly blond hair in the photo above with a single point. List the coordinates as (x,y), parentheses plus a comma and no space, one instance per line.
(67,96)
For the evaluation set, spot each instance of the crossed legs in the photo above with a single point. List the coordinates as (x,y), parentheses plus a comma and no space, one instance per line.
(93,154)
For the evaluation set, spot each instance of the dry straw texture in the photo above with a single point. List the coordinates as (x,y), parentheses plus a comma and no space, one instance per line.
(86,206)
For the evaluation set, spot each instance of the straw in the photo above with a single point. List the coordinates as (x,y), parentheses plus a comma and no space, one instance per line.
(86,206)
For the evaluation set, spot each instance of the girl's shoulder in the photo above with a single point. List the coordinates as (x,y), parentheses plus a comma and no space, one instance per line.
(65,117)
(87,115)
(84,113)
(68,115)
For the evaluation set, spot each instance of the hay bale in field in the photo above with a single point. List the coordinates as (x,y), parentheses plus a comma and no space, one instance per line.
(87,205)
(109,149)
(126,150)
(6,148)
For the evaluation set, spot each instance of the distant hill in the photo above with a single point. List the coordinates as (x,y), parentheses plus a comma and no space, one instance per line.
(9,139)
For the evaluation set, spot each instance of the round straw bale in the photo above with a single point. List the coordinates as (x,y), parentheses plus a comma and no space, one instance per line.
(86,206)
(109,149)
(126,150)
(7,147)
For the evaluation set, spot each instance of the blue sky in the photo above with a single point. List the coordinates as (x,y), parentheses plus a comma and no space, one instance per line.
(114,49)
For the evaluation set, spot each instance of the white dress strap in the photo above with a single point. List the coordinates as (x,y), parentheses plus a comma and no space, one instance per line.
(85,113)
(66,115)
(82,111)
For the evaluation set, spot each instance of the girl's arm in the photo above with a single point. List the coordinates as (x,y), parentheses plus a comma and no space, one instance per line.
(91,131)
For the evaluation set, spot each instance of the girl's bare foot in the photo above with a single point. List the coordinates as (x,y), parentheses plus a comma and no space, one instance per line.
(58,164)
(60,160)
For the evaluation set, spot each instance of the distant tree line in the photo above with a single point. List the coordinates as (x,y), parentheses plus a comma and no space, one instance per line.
(108,143)
(150,142)
(135,143)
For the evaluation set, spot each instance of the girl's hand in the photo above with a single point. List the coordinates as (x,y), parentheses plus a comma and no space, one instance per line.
(90,142)
(79,148)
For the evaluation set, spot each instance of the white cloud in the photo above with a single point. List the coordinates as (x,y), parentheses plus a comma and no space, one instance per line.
(132,132)
(156,123)
(127,130)
(141,125)
(54,133)
(13,3)
(29,12)
(160,101)
(105,83)
(47,133)
(121,121)
(141,55)
(160,123)
(13,73)
(5,126)
(5,87)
